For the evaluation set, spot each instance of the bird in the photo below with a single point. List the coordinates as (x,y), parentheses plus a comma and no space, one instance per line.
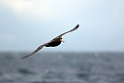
(53,43)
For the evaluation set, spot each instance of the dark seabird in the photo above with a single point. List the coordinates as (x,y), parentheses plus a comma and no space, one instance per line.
(53,43)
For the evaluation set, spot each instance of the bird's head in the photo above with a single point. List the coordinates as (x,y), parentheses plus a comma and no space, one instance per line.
(62,40)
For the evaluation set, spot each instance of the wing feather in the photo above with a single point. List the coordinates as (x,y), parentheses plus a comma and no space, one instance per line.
(76,27)
(39,48)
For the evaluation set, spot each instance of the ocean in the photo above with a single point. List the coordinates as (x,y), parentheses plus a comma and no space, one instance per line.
(62,67)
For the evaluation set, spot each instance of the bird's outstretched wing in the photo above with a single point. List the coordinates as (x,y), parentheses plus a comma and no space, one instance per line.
(39,48)
(69,31)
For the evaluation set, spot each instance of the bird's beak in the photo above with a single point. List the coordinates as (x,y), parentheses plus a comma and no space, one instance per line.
(62,41)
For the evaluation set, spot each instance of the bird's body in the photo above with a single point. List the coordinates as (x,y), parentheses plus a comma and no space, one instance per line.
(53,43)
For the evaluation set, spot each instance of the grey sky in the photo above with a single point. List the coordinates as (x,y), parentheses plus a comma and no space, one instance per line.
(26,24)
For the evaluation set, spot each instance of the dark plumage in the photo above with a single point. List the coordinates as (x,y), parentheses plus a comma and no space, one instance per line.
(53,43)
(56,42)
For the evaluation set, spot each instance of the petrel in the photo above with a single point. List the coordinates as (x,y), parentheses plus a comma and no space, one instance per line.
(53,43)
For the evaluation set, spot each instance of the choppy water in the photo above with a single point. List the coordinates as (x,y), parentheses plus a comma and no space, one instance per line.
(62,68)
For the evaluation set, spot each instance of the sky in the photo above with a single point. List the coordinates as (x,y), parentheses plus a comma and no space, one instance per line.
(27,24)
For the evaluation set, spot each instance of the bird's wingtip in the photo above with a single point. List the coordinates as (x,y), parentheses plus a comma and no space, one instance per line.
(78,25)
(22,57)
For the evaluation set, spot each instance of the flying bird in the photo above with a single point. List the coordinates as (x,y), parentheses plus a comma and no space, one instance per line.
(53,43)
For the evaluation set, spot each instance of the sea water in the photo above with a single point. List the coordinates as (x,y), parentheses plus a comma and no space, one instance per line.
(62,67)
